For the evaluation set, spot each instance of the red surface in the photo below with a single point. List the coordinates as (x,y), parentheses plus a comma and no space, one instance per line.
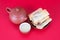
(10,31)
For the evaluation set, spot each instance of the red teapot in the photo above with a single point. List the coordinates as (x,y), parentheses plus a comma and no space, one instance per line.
(17,15)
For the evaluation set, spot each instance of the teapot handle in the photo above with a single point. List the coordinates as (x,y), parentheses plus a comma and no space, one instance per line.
(8,10)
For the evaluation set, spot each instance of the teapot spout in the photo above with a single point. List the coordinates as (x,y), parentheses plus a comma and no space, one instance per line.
(8,10)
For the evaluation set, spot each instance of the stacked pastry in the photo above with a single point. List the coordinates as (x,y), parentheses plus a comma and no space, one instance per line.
(40,18)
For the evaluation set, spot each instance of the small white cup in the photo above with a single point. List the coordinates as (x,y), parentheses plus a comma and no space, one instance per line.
(25,27)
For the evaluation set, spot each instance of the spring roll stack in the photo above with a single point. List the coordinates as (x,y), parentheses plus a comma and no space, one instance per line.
(40,18)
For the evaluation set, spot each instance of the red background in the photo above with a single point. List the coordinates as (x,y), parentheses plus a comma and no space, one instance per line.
(10,31)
